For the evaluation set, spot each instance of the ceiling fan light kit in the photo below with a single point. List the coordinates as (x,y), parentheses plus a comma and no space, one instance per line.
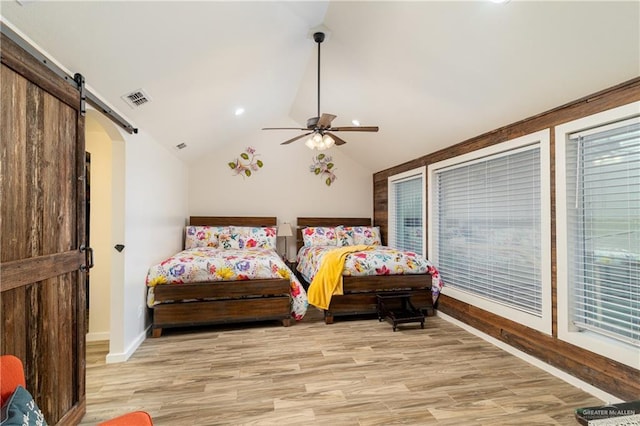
(319,127)
(320,142)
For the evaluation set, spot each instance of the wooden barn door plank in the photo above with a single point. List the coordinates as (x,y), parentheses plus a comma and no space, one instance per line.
(42,230)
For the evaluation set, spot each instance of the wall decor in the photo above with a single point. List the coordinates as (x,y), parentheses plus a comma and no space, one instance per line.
(323,166)
(246,162)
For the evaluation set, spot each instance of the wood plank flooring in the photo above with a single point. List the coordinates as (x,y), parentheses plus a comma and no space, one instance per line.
(353,372)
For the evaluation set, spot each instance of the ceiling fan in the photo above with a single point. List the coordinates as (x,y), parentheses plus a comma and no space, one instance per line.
(319,128)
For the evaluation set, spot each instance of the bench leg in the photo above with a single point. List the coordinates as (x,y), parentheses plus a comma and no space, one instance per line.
(286,322)
(156,332)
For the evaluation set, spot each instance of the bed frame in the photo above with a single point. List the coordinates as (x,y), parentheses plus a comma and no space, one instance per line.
(226,302)
(360,293)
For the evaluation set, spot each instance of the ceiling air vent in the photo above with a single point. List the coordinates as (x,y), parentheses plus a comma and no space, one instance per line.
(136,98)
(181,145)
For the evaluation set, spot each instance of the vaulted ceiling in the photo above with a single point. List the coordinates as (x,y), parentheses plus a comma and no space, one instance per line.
(430,74)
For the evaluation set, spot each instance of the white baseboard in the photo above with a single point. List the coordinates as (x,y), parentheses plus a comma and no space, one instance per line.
(113,358)
(98,336)
(574,381)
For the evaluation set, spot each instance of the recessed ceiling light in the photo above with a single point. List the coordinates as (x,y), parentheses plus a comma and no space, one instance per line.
(355,122)
(239,111)
(499,1)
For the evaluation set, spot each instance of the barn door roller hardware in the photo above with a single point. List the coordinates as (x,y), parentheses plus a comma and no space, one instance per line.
(89,97)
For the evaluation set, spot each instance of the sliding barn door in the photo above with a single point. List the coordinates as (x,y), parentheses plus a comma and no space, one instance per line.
(42,232)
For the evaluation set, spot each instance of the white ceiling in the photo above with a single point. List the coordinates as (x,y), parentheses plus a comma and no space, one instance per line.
(430,74)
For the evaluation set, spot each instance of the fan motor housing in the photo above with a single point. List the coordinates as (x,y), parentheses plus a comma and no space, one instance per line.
(312,122)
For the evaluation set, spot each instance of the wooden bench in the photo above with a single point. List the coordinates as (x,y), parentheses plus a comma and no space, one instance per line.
(397,307)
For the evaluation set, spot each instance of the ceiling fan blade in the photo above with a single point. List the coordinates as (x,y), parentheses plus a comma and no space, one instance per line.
(325,121)
(284,128)
(296,138)
(355,129)
(337,140)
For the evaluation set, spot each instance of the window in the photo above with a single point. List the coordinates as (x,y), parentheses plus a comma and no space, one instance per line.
(599,242)
(406,210)
(489,232)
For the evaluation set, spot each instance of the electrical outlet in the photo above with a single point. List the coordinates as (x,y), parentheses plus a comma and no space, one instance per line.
(140,311)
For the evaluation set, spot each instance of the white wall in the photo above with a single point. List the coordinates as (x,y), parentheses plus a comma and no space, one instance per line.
(155,209)
(148,210)
(284,187)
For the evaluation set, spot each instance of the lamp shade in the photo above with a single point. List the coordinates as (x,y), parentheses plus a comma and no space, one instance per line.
(284,230)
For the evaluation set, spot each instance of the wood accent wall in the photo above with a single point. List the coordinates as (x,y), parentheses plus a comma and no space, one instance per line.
(603,373)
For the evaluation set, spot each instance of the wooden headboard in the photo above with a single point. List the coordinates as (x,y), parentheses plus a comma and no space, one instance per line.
(303,222)
(233,220)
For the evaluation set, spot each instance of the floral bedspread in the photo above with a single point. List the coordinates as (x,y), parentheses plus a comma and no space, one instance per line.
(204,264)
(378,260)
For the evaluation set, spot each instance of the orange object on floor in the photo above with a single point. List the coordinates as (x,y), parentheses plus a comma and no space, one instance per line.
(137,418)
(12,376)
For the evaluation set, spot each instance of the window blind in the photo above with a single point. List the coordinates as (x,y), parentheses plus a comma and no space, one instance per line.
(603,197)
(408,212)
(488,228)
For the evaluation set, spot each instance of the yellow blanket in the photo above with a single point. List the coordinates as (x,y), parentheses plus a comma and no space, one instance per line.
(328,280)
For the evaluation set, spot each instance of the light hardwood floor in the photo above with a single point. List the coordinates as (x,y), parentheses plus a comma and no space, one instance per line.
(353,372)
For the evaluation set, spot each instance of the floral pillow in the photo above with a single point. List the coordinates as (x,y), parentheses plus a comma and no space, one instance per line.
(203,236)
(319,236)
(231,241)
(344,236)
(369,235)
(248,237)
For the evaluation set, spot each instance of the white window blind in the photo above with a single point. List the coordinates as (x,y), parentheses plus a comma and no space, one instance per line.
(603,229)
(407,200)
(488,228)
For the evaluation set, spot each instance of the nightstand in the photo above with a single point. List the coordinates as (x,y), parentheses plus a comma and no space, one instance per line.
(291,264)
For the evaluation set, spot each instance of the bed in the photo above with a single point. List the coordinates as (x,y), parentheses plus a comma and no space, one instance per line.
(360,292)
(229,272)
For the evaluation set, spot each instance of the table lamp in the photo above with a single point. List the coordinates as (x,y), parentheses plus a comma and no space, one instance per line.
(285,231)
